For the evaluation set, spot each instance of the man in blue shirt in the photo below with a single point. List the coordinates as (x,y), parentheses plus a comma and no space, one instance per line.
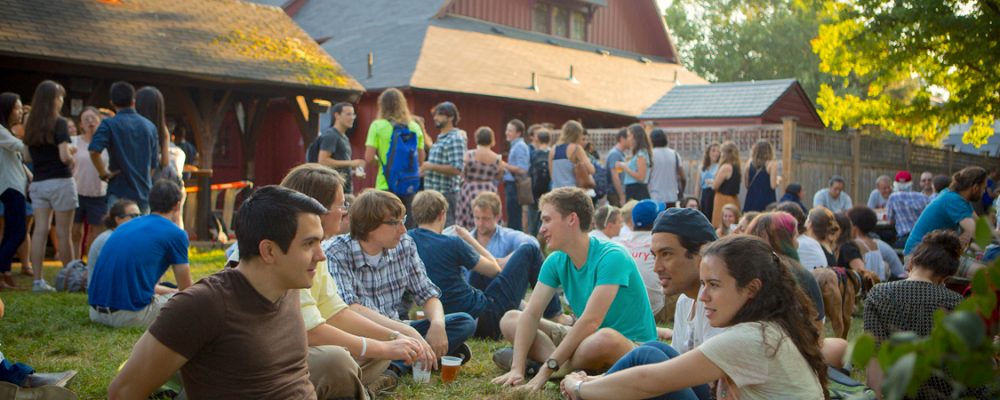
(952,210)
(616,154)
(124,290)
(133,149)
(445,257)
(518,163)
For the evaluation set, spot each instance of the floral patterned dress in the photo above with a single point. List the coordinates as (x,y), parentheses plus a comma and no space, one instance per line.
(476,178)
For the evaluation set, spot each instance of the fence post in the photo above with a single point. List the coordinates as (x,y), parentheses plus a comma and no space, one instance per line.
(855,163)
(908,152)
(950,156)
(789,126)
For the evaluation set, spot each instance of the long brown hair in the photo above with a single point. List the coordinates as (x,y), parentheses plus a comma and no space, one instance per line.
(730,155)
(750,257)
(761,153)
(41,125)
(149,103)
(641,142)
(392,107)
(706,160)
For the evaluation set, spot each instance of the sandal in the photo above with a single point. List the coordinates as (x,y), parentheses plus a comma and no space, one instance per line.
(26,270)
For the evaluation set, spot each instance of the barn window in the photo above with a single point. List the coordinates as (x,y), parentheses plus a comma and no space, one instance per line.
(561,18)
(542,20)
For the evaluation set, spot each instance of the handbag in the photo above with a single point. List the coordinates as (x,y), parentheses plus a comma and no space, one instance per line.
(584,179)
(525,196)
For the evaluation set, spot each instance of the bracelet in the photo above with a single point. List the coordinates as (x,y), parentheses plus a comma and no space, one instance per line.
(364,346)
(576,390)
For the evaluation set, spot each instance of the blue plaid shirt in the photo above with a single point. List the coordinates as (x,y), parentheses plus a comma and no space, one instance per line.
(378,287)
(449,149)
(904,208)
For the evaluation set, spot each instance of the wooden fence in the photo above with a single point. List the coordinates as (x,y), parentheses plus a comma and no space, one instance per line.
(810,157)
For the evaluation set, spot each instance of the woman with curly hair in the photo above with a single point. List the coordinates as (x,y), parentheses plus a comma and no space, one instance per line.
(769,349)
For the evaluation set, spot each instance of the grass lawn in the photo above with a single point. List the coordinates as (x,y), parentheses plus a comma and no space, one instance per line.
(53,332)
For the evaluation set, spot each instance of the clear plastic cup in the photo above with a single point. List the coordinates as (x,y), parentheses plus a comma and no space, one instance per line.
(449,368)
(419,375)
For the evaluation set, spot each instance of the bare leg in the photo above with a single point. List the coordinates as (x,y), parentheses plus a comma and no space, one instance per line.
(77,238)
(541,347)
(833,351)
(64,223)
(601,350)
(24,252)
(39,240)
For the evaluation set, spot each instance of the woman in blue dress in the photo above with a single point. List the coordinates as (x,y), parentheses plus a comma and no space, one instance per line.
(761,177)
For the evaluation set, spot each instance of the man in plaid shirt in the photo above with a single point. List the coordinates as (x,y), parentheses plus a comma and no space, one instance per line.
(443,169)
(377,262)
(904,206)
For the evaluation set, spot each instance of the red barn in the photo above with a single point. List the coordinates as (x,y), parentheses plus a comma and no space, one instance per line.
(600,61)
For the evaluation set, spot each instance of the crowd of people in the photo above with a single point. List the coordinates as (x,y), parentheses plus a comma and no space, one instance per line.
(344,289)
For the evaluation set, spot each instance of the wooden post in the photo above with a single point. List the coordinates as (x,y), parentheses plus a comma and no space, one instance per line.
(789,127)
(908,152)
(855,164)
(950,156)
(256,110)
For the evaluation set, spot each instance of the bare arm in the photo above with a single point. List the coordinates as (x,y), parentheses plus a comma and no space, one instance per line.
(487,264)
(581,157)
(66,154)
(95,157)
(527,325)
(725,171)
(149,366)
(369,154)
(443,169)
(182,272)
(326,158)
(687,370)
(617,183)
(403,348)
(968,226)
(772,170)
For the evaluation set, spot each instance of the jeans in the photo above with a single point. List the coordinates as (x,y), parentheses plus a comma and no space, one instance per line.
(452,199)
(534,219)
(513,207)
(458,327)
(506,290)
(656,352)
(14,229)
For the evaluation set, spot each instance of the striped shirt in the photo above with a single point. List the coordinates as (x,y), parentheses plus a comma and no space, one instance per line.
(379,287)
(449,149)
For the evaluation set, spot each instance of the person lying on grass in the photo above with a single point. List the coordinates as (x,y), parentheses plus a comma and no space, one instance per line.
(602,285)
(239,333)
(769,349)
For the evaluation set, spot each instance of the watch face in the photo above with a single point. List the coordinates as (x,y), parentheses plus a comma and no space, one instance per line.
(552,364)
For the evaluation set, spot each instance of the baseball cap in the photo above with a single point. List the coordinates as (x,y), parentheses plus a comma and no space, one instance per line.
(644,213)
(686,222)
(903,176)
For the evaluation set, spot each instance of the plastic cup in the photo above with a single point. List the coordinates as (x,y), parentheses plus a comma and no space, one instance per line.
(419,375)
(449,368)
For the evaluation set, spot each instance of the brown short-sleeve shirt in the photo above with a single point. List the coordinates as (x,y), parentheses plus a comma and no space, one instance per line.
(238,343)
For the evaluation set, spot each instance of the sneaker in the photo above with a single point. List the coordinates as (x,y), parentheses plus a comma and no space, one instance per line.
(42,287)
(504,357)
(463,352)
(384,384)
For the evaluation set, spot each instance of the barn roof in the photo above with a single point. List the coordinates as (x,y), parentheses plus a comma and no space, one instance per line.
(227,41)
(413,47)
(719,100)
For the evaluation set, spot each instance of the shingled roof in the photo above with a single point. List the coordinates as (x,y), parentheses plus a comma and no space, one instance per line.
(719,100)
(413,47)
(227,41)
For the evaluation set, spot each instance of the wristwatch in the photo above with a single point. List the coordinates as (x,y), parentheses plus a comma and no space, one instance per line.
(553,364)
(576,390)
(393,335)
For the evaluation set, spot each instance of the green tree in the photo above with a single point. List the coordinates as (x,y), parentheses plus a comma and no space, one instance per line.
(741,40)
(927,64)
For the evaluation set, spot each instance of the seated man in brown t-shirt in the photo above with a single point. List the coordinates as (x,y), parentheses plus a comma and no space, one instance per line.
(239,333)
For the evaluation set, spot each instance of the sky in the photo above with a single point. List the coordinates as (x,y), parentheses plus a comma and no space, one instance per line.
(663,4)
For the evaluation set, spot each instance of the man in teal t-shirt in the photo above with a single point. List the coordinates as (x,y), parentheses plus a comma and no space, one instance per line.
(604,290)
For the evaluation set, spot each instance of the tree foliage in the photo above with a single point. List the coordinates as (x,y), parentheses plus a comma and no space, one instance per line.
(741,40)
(927,64)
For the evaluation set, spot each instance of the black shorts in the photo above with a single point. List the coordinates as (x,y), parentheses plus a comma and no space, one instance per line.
(91,210)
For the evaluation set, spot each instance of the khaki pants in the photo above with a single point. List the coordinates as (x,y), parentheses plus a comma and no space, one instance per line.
(336,375)
(128,319)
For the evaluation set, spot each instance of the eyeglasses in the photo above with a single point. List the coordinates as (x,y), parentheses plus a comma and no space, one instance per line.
(131,215)
(395,222)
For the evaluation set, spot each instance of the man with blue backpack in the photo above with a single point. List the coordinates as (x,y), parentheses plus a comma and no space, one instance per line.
(398,142)
(446,159)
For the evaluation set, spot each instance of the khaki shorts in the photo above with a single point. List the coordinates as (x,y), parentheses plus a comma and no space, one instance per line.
(555,331)
(54,194)
(126,318)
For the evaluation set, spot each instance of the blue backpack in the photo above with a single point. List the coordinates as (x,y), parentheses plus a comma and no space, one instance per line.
(401,169)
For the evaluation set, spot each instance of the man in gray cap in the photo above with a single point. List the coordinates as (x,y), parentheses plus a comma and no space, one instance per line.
(678,236)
